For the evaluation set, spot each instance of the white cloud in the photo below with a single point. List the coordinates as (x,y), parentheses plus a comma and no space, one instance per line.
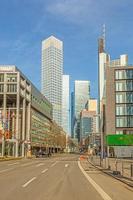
(72,10)
(85,11)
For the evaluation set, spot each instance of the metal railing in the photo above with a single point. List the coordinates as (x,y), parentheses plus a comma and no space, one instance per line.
(122,167)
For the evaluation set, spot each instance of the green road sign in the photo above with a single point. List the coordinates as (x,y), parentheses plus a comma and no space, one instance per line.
(119,140)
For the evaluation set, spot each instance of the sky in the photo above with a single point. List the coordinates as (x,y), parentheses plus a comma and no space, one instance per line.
(78,23)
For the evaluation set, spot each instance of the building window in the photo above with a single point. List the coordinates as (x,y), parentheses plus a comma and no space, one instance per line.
(1,77)
(124,109)
(124,74)
(1,88)
(126,121)
(11,88)
(120,132)
(124,97)
(124,85)
(11,78)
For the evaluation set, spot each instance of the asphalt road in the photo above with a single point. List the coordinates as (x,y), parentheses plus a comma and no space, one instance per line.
(63,177)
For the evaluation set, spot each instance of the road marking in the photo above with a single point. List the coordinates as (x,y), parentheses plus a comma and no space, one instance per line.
(45,170)
(66,165)
(27,183)
(54,164)
(103,194)
(26,164)
(13,164)
(40,164)
(6,170)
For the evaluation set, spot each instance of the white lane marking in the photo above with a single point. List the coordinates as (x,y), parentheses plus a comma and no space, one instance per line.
(6,170)
(66,165)
(45,170)
(40,164)
(54,164)
(28,182)
(13,164)
(26,164)
(103,194)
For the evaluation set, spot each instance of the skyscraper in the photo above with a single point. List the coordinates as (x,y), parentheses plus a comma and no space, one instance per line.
(81,95)
(103,59)
(65,105)
(72,114)
(103,62)
(51,74)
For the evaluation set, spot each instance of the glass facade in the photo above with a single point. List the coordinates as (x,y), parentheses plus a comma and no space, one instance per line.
(40,129)
(86,126)
(124,74)
(124,98)
(81,95)
(125,85)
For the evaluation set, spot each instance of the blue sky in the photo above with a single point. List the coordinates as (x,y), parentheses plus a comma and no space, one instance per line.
(78,23)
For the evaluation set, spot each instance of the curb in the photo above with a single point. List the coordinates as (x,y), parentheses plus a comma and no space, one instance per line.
(8,159)
(117,178)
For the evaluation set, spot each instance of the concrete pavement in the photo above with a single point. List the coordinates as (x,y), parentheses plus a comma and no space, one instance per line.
(58,178)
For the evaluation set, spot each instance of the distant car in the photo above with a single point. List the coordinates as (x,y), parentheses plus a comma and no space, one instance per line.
(41,154)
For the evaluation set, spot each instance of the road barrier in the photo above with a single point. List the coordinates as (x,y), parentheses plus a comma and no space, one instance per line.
(120,167)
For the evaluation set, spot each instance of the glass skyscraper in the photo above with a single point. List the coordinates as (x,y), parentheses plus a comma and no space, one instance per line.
(81,95)
(51,74)
(66,105)
(72,114)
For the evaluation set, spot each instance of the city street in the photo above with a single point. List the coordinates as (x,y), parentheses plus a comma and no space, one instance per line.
(59,178)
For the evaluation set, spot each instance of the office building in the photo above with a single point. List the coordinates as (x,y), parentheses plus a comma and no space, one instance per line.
(81,95)
(26,124)
(66,104)
(92,108)
(51,74)
(103,59)
(88,120)
(86,125)
(119,105)
(72,114)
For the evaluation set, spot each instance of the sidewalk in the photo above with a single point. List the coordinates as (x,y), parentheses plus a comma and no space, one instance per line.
(118,176)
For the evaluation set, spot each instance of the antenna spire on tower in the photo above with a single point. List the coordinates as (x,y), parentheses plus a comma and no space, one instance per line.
(104,35)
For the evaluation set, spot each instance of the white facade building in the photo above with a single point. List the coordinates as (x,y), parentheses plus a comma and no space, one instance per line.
(51,74)
(66,104)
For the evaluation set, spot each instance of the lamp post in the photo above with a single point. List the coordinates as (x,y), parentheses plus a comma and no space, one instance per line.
(3,134)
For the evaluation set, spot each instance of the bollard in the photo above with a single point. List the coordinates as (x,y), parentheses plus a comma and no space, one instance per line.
(116,165)
(131,171)
(122,168)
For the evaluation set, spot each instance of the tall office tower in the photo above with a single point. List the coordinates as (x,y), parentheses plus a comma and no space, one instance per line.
(81,95)
(103,59)
(103,62)
(51,74)
(72,114)
(66,105)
